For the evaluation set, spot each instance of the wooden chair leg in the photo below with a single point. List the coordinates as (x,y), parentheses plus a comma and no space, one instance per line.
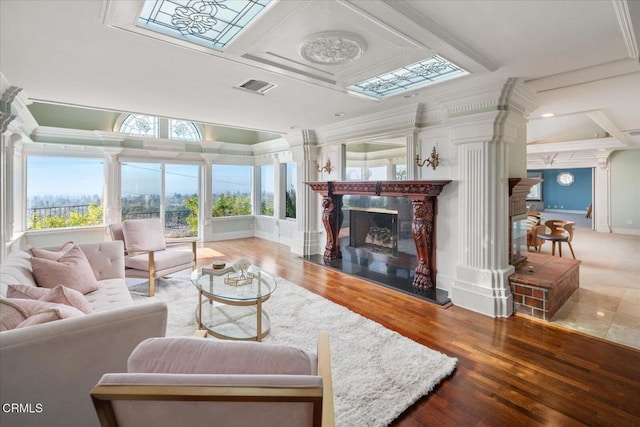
(553,248)
(560,249)
(571,247)
(152,273)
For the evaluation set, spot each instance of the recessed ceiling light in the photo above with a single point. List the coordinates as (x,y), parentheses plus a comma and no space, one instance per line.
(339,114)
(294,127)
(410,95)
(545,115)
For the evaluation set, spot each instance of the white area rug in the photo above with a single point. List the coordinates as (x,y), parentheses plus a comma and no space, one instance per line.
(377,373)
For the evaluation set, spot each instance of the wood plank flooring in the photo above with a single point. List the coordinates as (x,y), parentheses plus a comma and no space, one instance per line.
(510,372)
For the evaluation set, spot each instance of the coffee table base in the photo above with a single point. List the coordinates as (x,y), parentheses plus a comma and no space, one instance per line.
(235,322)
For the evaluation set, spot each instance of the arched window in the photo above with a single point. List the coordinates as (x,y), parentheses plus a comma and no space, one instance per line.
(139,125)
(181,129)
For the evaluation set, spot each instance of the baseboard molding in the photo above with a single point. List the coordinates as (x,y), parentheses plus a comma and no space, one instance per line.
(584,212)
(630,231)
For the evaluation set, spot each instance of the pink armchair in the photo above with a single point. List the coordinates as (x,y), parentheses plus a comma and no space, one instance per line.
(147,254)
(190,381)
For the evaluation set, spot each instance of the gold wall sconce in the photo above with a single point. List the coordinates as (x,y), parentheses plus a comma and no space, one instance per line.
(433,160)
(326,168)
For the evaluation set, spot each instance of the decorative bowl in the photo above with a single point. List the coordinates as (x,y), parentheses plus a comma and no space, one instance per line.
(218,265)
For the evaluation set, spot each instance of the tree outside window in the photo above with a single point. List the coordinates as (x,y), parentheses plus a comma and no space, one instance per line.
(266,190)
(290,190)
(64,192)
(231,186)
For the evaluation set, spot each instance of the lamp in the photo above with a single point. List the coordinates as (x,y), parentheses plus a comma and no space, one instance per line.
(432,160)
(326,168)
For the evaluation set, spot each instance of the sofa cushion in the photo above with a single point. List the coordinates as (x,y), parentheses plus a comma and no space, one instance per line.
(190,355)
(143,235)
(113,294)
(161,259)
(59,295)
(14,311)
(72,270)
(16,269)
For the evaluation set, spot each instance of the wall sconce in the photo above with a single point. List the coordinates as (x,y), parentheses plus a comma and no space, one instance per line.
(326,168)
(433,160)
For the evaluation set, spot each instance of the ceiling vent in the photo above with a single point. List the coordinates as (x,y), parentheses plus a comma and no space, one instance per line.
(256,86)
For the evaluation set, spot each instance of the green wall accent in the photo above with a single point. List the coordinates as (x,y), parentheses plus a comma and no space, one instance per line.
(625,189)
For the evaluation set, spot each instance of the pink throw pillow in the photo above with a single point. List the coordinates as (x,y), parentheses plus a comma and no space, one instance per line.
(59,295)
(15,311)
(49,315)
(72,270)
(52,255)
(11,315)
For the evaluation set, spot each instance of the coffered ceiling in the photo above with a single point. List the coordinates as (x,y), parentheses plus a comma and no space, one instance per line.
(580,56)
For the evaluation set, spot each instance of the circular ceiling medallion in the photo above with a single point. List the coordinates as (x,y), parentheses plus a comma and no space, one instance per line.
(332,48)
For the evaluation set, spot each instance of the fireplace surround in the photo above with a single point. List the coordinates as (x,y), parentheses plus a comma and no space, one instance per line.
(422,196)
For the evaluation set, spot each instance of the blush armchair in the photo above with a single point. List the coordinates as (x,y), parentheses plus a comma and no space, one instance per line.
(211,382)
(147,254)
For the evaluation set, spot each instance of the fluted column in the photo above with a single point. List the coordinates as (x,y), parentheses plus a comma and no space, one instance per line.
(601,189)
(490,147)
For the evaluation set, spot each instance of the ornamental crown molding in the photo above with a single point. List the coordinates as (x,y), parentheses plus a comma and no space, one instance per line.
(512,95)
(393,122)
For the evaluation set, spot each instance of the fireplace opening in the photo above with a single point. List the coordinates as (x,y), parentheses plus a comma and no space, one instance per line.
(374,229)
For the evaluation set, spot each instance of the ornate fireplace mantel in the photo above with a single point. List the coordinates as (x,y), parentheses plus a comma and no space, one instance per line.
(423,196)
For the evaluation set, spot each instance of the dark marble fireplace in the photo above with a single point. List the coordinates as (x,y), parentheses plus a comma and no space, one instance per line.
(383,231)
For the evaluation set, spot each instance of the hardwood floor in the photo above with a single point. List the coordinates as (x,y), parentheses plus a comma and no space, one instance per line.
(510,372)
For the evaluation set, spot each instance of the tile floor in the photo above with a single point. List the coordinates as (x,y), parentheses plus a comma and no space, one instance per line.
(607,304)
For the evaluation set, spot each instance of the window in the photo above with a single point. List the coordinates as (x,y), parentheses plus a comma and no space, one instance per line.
(266,190)
(212,24)
(139,125)
(142,195)
(181,207)
(183,130)
(401,172)
(290,190)
(377,173)
(565,178)
(141,188)
(353,173)
(231,186)
(64,192)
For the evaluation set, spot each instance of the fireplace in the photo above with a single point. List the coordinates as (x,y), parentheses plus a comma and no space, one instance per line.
(374,229)
(385,231)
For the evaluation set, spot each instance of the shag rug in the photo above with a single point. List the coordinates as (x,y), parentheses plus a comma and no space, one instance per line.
(377,373)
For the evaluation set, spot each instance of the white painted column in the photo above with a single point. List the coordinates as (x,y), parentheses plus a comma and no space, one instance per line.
(601,193)
(490,151)
(112,202)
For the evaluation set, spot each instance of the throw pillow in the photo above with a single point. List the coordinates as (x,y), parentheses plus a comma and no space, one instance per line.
(71,269)
(52,255)
(60,295)
(11,315)
(49,315)
(15,311)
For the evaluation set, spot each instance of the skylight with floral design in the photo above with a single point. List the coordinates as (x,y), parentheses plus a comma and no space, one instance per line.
(427,72)
(209,23)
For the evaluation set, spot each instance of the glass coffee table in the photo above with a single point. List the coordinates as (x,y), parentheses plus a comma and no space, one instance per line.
(230,305)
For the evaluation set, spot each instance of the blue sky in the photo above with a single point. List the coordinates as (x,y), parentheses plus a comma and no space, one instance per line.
(84,176)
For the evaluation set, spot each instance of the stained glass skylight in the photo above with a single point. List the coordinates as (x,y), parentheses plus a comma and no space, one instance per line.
(209,23)
(427,72)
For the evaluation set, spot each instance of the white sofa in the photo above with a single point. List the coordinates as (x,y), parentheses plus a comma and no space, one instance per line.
(47,371)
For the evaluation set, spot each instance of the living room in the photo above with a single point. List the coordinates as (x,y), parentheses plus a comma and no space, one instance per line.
(75,101)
